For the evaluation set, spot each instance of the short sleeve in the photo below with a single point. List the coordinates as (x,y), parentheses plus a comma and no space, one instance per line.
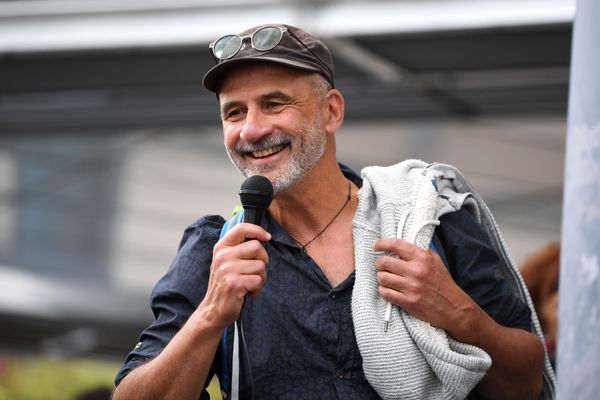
(473,264)
(177,294)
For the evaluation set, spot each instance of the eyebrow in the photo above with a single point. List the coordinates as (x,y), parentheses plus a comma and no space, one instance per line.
(276,94)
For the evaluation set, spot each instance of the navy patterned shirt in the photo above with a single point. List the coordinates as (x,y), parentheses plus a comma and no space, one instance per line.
(299,332)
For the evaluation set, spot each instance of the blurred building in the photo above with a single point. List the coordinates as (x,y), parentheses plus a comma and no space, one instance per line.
(109,145)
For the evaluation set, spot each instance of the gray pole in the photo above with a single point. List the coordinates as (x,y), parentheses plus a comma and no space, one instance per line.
(578,354)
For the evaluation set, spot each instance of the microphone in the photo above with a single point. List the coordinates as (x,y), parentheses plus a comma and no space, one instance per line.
(256,194)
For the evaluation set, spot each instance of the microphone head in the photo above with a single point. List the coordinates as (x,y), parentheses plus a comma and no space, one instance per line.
(256,192)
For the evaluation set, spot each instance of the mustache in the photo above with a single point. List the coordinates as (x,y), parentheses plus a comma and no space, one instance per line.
(263,144)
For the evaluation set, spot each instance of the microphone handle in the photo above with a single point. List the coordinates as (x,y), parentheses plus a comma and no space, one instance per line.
(254,215)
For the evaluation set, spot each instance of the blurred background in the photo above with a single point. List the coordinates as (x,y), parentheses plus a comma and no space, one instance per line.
(110,146)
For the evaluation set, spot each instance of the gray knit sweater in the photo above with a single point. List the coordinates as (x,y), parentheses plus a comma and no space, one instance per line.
(412,359)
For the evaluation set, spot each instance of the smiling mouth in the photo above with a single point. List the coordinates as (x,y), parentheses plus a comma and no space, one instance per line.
(267,152)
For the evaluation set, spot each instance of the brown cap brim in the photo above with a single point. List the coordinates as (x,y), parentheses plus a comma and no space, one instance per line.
(214,77)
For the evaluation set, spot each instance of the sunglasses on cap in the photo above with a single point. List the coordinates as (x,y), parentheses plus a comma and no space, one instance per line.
(263,39)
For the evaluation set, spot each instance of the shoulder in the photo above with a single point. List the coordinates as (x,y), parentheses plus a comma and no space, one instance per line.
(206,228)
(466,244)
(189,271)
(461,228)
(474,265)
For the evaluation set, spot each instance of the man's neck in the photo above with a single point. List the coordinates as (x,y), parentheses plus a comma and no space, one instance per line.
(308,206)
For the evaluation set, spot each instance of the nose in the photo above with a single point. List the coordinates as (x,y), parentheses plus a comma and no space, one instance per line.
(256,126)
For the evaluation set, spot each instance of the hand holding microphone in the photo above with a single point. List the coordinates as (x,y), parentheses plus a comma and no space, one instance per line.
(239,258)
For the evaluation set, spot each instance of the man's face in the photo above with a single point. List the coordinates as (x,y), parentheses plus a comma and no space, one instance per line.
(272,123)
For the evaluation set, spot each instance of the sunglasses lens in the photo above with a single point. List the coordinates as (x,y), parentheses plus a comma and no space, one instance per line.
(266,38)
(227,46)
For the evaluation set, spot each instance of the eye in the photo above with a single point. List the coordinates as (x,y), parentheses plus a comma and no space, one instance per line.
(232,114)
(273,105)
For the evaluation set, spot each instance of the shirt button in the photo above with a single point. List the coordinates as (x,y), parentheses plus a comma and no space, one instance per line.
(339,374)
(333,296)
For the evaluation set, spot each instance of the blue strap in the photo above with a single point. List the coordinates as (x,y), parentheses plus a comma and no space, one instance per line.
(230,223)
(438,247)
(226,378)
(226,374)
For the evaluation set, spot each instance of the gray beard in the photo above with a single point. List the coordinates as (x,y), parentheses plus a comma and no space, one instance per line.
(304,155)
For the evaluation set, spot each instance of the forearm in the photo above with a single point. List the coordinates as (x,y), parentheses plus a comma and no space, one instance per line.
(517,357)
(181,369)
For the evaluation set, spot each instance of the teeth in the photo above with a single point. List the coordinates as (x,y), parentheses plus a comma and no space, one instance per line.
(267,152)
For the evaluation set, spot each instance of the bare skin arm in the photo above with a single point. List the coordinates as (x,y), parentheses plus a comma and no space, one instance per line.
(180,370)
(417,281)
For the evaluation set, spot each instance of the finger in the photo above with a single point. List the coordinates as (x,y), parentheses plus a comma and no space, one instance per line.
(391,295)
(254,285)
(234,261)
(243,232)
(240,286)
(391,264)
(239,277)
(401,248)
(253,267)
(246,250)
(249,250)
(243,267)
(392,281)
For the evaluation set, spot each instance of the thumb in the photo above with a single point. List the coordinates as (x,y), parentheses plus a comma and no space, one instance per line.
(243,232)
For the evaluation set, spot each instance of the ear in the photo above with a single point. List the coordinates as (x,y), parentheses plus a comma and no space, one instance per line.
(335,111)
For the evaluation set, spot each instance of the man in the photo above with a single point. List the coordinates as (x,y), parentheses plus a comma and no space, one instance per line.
(291,283)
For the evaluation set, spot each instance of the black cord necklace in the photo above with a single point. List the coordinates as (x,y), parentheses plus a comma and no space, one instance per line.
(330,222)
